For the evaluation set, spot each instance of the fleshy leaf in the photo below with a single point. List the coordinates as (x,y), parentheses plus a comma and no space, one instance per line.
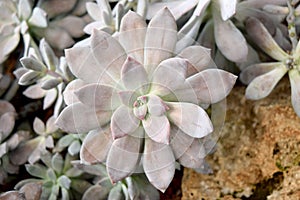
(123,122)
(98,97)
(167,77)
(227,8)
(191,157)
(157,128)
(89,119)
(161,47)
(132,35)
(255,70)
(295,87)
(39,126)
(198,56)
(260,35)
(262,86)
(133,75)
(38,18)
(123,157)
(230,40)
(210,86)
(33,64)
(69,95)
(159,164)
(180,142)
(190,118)
(48,55)
(96,146)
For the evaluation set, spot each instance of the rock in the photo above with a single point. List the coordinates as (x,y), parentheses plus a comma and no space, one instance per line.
(258,156)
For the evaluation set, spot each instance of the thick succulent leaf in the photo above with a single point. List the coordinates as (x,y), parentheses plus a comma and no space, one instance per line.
(50,98)
(89,118)
(123,122)
(38,18)
(168,76)
(161,47)
(48,55)
(37,170)
(252,58)
(33,64)
(210,86)
(94,11)
(57,163)
(198,56)
(7,123)
(74,148)
(58,37)
(21,154)
(261,37)
(190,118)
(39,126)
(32,190)
(123,157)
(24,9)
(295,87)
(96,146)
(180,142)
(69,22)
(177,8)
(156,106)
(100,25)
(96,192)
(69,95)
(134,75)
(262,86)
(193,156)
(132,35)
(12,195)
(157,128)
(201,7)
(116,193)
(5,107)
(159,164)
(8,44)
(128,97)
(255,70)
(108,53)
(227,8)
(230,40)
(57,7)
(98,97)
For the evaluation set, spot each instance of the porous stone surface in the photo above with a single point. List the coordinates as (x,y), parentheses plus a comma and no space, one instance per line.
(258,155)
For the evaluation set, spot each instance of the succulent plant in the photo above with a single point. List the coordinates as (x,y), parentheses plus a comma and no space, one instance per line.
(134,187)
(49,73)
(263,77)
(55,179)
(17,17)
(139,102)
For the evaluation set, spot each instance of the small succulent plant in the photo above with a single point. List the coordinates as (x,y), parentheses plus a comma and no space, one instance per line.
(139,103)
(55,179)
(18,18)
(263,77)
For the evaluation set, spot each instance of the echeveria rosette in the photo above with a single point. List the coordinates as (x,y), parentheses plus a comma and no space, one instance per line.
(140,102)
(263,77)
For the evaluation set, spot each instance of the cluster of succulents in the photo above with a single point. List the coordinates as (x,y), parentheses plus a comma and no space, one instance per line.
(106,99)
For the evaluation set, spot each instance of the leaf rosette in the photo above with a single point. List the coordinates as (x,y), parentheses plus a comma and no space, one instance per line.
(139,101)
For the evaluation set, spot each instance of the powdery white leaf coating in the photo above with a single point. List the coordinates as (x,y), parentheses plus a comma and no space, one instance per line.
(7,123)
(260,35)
(198,56)
(48,55)
(96,146)
(262,85)
(123,157)
(34,92)
(157,128)
(133,75)
(227,8)
(93,10)
(180,141)
(295,87)
(255,70)
(59,37)
(50,98)
(80,123)
(97,96)
(39,126)
(33,64)
(159,164)
(69,95)
(123,122)
(190,157)
(230,40)
(167,78)
(38,18)
(161,47)
(71,21)
(203,85)
(190,118)
(132,35)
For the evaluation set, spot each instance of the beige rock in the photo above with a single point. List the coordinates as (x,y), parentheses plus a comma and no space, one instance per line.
(258,156)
